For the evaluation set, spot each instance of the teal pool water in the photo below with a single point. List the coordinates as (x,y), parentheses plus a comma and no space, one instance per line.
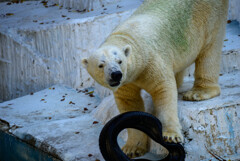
(13,149)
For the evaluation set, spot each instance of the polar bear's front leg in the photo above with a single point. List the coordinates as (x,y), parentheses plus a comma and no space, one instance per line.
(165,101)
(128,98)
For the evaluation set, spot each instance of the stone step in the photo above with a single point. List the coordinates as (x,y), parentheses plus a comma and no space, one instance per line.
(56,120)
(67,128)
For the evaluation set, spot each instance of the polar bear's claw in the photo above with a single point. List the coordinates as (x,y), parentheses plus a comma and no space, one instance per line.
(172,137)
(199,94)
(133,151)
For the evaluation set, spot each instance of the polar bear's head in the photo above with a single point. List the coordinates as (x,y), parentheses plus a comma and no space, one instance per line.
(108,65)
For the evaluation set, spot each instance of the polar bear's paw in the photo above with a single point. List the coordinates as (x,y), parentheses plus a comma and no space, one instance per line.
(134,150)
(172,137)
(199,94)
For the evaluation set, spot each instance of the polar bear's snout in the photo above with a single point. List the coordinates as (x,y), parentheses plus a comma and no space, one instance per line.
(116,77)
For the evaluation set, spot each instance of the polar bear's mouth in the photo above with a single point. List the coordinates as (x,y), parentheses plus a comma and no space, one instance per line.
(114,84)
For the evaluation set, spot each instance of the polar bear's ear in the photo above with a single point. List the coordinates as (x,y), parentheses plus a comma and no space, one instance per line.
(127,50)
(84,62)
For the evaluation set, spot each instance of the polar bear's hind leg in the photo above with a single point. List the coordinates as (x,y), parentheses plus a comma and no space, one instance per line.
(207,67)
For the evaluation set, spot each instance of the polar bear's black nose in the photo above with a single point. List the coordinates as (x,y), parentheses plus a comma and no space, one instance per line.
(116,76)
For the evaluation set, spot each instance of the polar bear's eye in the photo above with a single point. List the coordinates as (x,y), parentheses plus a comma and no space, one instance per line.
(120,62)
(100,66)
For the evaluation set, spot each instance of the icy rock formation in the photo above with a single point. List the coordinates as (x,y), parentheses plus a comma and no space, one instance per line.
(234,10)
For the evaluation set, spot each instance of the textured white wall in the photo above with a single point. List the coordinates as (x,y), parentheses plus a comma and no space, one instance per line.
(84,4)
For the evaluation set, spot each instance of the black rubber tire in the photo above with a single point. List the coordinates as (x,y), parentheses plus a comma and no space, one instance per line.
(142,121)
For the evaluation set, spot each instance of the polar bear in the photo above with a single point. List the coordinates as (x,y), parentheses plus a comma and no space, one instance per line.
(150,51)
